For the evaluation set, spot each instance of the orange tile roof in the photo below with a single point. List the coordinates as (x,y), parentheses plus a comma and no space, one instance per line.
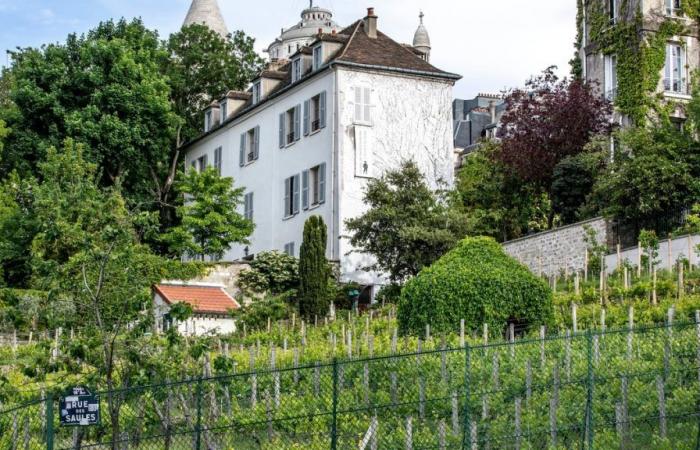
(204,299)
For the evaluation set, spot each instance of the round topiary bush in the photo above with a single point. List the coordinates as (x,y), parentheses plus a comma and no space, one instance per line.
(477,282)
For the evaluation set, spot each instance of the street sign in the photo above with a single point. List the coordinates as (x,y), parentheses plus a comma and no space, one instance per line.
(79,408)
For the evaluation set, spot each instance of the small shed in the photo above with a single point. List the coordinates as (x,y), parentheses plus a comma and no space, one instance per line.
(210,304)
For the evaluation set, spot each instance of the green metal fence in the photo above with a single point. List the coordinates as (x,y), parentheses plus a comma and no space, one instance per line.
(628,388)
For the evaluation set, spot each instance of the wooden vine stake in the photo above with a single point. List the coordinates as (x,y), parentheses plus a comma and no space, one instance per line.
(662,407)
(697,333)
(461,333)
(639,259)
(409,433)
(574,316)
(585,266)
(455,414)
(542,346)
(518,431)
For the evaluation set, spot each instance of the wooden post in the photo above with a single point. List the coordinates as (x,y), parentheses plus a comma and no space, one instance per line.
(577,284)
(518,431)
(654,300)
(511,338)
(585,266)
(630,325)
(681,279)
(602,319)
(626,284)
(619,256)
(574,316)
(690,253)
(461,333)
(442,435)
(639,259)
(494,372)
(542,346)
(670,255)
(409,433)
(455,414)
(486,334)
(662,407)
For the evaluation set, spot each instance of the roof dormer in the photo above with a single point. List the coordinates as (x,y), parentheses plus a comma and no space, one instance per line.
(212,116)
(232,103)
(267,82)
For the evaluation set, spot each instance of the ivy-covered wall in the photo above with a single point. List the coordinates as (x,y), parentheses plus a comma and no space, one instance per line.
(638,39)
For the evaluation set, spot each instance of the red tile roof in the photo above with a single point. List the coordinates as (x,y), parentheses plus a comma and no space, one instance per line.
(204,299)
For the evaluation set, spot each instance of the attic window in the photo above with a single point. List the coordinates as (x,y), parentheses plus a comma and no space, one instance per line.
(318,56)
(296,69)
(256,92)
(207,120)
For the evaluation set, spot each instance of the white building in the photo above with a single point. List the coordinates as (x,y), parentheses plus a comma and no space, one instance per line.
(211,306)
(312,130)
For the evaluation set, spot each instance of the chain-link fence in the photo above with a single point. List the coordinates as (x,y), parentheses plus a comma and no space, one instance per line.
(628,388)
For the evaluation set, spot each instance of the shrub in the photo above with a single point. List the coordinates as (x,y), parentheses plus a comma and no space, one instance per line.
(391,293)
(476,282)
(314,271)
(271,272)
(256,315)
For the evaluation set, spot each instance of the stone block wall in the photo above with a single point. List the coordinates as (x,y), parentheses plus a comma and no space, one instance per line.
(560,250)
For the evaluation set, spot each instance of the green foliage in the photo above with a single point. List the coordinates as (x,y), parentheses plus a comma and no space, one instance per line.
(210,222)
(477,282)
(314,272)
(407,226)
(572,183)
(257,313)
(271,272)
(18,226)
(202,67)
(389,294)
(4,132)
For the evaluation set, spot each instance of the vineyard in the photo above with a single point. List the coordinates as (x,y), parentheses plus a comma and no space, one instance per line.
(636,387)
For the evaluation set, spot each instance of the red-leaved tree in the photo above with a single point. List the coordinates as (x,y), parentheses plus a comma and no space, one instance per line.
(546,122)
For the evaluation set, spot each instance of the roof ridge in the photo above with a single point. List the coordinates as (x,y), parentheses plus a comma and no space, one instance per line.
(352,36)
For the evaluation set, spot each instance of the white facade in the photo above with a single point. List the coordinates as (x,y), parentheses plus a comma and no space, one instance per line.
(197,325)
(409,118)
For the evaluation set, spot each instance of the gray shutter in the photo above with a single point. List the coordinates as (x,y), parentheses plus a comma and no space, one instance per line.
(322,109)
(287,196)
(205,162)
(241,153)
(256,144)
(297,122)
(282,131)
(322,183)
(305,189)
(296,194)
(307,113)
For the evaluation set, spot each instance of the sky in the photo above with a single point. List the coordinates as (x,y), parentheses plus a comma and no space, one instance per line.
(493,44)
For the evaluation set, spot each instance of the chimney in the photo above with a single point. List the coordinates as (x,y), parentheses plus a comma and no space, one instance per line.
(492,110)
(371,24)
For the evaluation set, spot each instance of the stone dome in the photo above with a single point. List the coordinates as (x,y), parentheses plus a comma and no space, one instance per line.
(313,18)
(206,12)
(421,40)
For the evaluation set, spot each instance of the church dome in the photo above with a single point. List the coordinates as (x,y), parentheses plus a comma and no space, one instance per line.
(313,19)
(206,12)
(421,40)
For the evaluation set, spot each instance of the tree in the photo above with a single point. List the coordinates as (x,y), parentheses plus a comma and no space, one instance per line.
(407,226)
(314,272)
(271,272)
(18,226)
(210,222)
(548,121)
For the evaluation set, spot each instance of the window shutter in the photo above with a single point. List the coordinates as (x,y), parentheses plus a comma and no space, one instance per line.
(322,109)
(368,105)
(307,113)
(358,104)
(256,144)
(282,131)
(295,194)
(305,189)
(668,63)
(241,153)
(287,197)
(322,183)
(297,122)
(205,162)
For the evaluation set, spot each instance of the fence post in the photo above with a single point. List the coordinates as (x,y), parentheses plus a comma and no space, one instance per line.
(198,426)
(49,421)
(589,401)
(334,424)
(467,436)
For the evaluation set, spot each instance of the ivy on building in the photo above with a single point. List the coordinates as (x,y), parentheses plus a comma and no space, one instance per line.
(640,54)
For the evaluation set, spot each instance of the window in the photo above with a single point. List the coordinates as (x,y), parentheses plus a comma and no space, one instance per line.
(207,120)
(363,104)
(224,111)
(610,77)
(289,249)
(248,206)
(250,146)
(318,57)
(291,196)
(674,79)
(200,163)
(290,126)
(313,186)
(674,8)
(256,92)
(296,69)
(217,160)
(612,9)
(315,114)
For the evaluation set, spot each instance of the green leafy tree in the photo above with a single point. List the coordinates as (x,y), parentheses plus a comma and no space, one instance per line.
(18,226)
(314,272)
(407,226)
(210,222)
(271,272)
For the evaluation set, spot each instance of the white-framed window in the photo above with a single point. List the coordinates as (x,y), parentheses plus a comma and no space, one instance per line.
(612,9)
(208,120)
(290,126)
(217,159)
(674,70)
(248,206)
(315,113)
(289,249)
(318,56)
(610,77)
(313,186)
(674,8)
(256,92)
(292,192)
(250,146)
(224,111)
(363,104)
(296,69)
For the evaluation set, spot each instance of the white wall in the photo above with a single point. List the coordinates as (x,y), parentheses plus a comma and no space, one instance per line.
(265,177)
(411,120)
(680,247)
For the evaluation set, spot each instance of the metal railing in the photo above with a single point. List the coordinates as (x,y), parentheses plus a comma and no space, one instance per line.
(623,388)
(676,86)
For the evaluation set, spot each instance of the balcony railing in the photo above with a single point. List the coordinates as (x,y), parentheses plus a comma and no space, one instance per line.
(316,125)
(290,138)
(676,86)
